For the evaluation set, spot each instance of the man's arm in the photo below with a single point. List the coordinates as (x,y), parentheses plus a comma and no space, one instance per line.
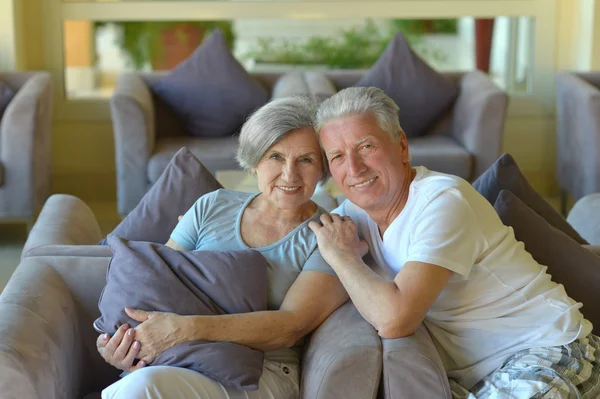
(309,301)
(394,308)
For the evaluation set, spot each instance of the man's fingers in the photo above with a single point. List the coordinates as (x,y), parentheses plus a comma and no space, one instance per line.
(325,218)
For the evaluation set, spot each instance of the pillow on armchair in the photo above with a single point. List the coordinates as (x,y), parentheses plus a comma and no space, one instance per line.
(505,174)
(422,94)
(568,262)
(6,95)
(211,91)
(183,181)
(154,277)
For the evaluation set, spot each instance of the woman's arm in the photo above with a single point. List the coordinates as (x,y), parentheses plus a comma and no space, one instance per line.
(309,301)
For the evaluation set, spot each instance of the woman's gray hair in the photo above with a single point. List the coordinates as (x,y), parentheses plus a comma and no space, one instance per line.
(270,124)
(357,101)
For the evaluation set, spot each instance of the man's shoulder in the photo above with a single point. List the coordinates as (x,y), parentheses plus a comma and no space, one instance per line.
(430,184)
(348,208)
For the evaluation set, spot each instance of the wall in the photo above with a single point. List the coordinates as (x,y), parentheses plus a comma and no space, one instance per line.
(83,152)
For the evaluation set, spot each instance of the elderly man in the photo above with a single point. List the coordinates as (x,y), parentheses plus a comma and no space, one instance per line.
(502,327)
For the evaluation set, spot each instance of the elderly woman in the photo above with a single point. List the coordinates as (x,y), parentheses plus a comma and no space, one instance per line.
(279,145)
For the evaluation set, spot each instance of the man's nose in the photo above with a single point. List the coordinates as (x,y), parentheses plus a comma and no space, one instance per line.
(356,166)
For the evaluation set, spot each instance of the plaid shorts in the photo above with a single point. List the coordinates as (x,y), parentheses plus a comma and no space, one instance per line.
(560,372)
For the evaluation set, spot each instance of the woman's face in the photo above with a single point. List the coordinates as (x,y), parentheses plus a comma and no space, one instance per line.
(290,169)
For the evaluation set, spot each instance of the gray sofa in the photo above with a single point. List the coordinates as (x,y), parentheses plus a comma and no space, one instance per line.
(47,342)
(578,133)
(464,142)
(25,146)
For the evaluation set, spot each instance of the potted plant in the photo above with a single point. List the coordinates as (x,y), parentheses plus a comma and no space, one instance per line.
(163,45)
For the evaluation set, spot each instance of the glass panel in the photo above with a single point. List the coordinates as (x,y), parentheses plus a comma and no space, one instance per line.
(97,52)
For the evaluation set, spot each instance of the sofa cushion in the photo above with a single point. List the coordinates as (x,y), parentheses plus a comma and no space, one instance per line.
(154,277)
(215,154)
(183,181)
(422,94)
(584,217)
(311,83)
(211,91)
(6,95)
(505,174)
(568,262)
(441,153)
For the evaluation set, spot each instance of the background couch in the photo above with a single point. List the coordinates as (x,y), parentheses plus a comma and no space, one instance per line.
(465,142)
(578,133)
(25,151)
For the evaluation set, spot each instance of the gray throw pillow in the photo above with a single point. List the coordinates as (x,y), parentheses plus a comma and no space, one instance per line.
(6,95)
(505,174)
(297,83)
(568,262)
(211,91)
(422,94)
(154,277)
(183,181)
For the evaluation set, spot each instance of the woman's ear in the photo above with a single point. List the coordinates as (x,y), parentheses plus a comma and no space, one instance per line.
(252,171)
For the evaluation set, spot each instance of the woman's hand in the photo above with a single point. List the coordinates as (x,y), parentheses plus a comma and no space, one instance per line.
(121,350)
(338,240)
(157,332)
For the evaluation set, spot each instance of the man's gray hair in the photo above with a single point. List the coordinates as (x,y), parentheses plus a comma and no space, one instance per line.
(270,124)
(361,100)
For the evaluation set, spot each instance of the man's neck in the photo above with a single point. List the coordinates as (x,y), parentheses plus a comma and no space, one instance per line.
(385,216)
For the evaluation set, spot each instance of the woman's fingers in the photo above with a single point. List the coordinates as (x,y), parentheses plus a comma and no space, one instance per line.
(114,342)
(124,347)
(132,354)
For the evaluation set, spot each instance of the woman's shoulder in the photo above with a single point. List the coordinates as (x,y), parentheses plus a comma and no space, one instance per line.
(224,194)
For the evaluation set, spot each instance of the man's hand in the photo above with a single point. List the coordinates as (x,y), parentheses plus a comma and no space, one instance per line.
(338,240)
(121,350)
(157,332)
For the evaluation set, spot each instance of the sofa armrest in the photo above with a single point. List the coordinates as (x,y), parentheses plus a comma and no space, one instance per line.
(41,354)
(342,358)
(478,119)
(412,368)
(64,220)
(134,128)
(25,148)
(578,135)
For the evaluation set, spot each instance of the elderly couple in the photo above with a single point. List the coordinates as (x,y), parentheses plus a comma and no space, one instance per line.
(503,329)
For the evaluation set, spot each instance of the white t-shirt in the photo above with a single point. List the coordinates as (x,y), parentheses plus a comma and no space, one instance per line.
(499,299)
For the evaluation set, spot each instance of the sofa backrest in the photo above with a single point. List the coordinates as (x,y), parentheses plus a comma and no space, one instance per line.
(169,124)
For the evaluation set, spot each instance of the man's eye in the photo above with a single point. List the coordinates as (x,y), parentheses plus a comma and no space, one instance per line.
(306,160)
(335,157)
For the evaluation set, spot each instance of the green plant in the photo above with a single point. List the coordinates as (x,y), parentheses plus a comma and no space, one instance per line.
(422,26)
(141,40)
(357,47)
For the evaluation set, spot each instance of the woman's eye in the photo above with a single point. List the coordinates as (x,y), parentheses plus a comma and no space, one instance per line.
(276,156)
(367,146)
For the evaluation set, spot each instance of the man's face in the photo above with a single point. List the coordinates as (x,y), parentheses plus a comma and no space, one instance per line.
(365,163)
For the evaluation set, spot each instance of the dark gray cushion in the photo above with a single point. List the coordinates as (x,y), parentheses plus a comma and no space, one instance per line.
(154,277)
(505,174)
(6,95)
(211,91)
(298,83)
(422,94)
(568,262)
(183,181)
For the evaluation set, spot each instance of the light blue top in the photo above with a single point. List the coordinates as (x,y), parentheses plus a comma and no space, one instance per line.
(214,223)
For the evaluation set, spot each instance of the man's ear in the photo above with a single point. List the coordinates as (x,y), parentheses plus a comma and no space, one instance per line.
(403,140)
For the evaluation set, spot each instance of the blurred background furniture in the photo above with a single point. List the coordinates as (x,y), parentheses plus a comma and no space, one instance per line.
(578,134)
(25,145)
(465,142)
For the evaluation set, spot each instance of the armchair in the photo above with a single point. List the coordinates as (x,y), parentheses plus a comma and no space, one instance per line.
(578,134)
(25,145)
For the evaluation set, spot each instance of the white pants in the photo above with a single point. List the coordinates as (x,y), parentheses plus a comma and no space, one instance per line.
(278,381)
